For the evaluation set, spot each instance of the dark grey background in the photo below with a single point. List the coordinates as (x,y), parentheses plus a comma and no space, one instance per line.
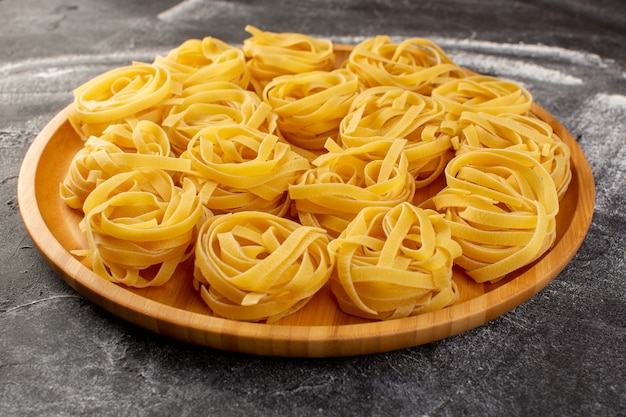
(560,354)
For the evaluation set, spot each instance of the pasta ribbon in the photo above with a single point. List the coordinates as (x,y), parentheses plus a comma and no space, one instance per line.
(345,181)
(415,64)
(238,168)
(140,226)
(522,133)
(215,103)
(501,206)
(198,61)
(310,106)
(121,148)
(120,95)
(483,94)
(393,262)
(255,266)
(272,54)
(391,112)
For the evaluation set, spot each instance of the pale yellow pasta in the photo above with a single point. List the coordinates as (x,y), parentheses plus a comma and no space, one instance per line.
(121,95)
(213,103)
(484,94)
(501,206)
(391,112)
(345,181)
(415,64)
(393,262)
(120,148)
(255,266)
(311,105)
(521,133)
(238,168)
(140,226)
(198,61)
(272,54)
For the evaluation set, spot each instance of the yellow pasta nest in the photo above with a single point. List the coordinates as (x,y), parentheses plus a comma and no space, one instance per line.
(501,206)
(121,95)
(140,227)
(310,106)
(215,103)
(394,262)
(198,61)
(483,94)
(390,112)
(345,181)
(272,54)
(259,267)
(121,148)
(525,134)
(415,64)
(238,168)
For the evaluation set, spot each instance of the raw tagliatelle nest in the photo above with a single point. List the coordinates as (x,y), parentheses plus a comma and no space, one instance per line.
(277,167)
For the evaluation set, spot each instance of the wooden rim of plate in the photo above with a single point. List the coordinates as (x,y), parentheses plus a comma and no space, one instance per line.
(293,340)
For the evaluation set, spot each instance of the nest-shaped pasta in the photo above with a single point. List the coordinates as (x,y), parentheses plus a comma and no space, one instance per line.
(120,148)
(415,64)
(198,61)
(214,103)
(390,112)
(482,93)
(310,106)
(238,168)
(122,95)
(272,54)
(521,133)
(345,181)
(255,266)
(140,226)
(392,262)
(501,206)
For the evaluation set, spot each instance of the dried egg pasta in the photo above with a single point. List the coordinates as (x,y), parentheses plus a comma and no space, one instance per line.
(501,206)
(272,54)
(121,95)
(392,262)
(140,227)
(310,106)
(255,266)
(238,168)
(120,148)
(415,64)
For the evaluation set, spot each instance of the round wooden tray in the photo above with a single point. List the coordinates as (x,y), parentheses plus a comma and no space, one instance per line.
(320,329)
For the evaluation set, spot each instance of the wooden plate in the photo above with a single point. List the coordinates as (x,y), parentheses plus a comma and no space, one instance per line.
(320,329)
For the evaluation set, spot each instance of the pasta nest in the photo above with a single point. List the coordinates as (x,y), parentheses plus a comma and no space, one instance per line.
(120,148)
(481,93)
(126,94)
(259,267)
(310,106)
(387,112)
(415,64)
(197,60)
(273,54)
(238,168)
(392,262)
(213,103)
(345,181)
(501,206)
(140,226)
(521,133)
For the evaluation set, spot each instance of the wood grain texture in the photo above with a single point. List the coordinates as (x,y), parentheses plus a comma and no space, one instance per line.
(320,329)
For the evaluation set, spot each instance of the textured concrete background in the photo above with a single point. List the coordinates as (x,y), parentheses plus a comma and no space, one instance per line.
(560,354)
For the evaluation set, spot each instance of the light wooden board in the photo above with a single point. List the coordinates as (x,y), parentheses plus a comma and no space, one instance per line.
(320,329)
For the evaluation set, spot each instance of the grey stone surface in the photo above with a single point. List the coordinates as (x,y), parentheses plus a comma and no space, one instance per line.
(559,354)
